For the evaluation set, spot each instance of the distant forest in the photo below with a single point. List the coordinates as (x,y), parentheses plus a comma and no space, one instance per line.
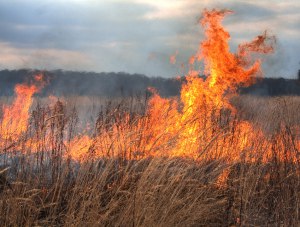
(68,83)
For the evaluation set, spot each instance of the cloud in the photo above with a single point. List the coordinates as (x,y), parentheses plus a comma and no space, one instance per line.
(12,58)
(119,35)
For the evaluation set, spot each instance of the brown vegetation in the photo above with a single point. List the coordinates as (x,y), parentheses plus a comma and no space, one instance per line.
(45,188)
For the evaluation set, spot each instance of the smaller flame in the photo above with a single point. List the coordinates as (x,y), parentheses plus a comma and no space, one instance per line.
(173,58)
(79,147)
(15,116)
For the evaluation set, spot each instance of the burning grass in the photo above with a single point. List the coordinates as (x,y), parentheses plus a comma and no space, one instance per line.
(43,186)
(199,159)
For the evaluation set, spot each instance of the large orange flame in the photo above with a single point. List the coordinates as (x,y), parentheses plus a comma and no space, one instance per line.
(202,100)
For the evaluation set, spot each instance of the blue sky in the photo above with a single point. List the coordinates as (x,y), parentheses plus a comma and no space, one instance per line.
(137,36)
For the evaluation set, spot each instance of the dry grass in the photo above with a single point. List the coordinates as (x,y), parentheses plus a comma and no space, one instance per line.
(269,113)
(45,189)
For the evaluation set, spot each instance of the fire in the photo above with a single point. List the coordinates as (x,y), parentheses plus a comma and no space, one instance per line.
(16,116)
(204,100)
(80,147)
(173,58)
(199,124)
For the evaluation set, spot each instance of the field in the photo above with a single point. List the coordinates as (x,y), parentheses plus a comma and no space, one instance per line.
(208,157)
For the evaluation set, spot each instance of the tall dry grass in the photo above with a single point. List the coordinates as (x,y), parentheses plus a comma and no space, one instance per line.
(46,189)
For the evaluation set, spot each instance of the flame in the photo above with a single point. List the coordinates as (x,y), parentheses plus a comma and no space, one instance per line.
(203,100)
(80,147)
(173,58)
(15,116)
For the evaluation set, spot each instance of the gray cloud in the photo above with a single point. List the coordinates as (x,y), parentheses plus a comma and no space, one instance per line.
(120,35)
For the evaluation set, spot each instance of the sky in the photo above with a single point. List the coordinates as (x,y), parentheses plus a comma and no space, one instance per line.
(138,36)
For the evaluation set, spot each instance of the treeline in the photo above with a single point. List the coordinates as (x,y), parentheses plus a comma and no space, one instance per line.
(67,83)
(273,87)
